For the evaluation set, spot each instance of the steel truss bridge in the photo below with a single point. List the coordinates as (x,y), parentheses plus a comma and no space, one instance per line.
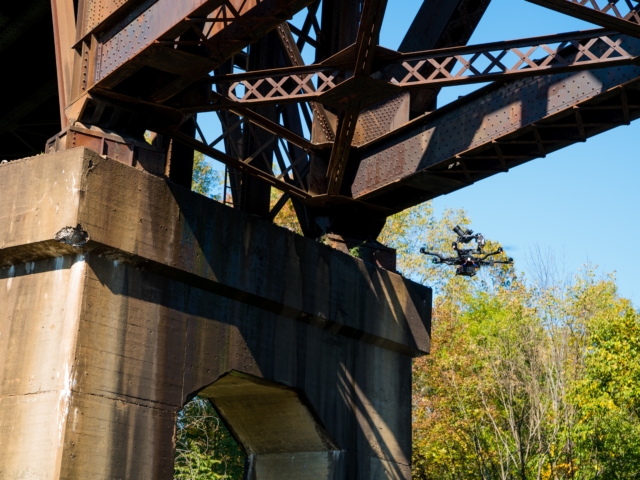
(351,137)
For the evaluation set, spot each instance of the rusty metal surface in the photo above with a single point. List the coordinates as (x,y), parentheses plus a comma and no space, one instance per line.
(379,120)
(440,25)
(453,66)
(137,154)
(492,132)
(163,22)
(346,138)
(620,15)
(156,21)
(367,40)
(94,13)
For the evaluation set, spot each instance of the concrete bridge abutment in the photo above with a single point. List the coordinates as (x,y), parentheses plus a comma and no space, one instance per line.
(122,296)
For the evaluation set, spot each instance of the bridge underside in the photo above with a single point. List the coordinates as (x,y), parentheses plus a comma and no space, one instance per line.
(125,295)
(30,112)
(349,147)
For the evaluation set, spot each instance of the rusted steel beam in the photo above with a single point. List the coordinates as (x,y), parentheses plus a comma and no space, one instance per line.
(366,43)
(242,166)
(150,38)
(275,128)
(436,25)
(619,15)
(595,49)
(440,25)
(96,16)
(492,130)
(64,21)
(340,20)
(292,53)
(340,152)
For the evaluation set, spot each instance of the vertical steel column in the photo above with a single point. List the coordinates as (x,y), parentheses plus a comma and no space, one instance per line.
(64,30)
(255,195)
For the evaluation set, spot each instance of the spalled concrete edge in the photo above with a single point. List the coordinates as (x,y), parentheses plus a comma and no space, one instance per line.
(53,249)
(392,313)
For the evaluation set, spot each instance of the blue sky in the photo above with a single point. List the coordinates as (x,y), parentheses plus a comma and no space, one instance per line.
(581,202)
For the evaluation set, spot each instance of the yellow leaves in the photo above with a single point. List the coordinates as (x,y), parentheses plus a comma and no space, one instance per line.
(205,178)
(287,217)
(418,227)
(550,372)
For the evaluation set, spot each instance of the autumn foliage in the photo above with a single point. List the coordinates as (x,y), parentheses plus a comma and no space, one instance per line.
(528,378)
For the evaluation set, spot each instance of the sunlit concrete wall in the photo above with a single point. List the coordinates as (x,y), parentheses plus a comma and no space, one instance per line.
(163,294)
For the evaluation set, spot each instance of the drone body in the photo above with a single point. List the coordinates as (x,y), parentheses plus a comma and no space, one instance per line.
(468,260)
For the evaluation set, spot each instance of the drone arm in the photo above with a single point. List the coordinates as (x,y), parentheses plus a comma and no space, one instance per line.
(438,256)
(505,262)
(491,263)
(497,252)
(425,252)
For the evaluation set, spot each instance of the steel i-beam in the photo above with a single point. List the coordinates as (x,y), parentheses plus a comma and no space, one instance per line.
(619,15)
(499,127)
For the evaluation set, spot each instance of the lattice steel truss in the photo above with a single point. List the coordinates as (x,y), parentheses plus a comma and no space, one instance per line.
(354,134)
(445,67)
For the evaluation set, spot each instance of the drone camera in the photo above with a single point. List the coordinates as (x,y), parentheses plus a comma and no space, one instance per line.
(461,233)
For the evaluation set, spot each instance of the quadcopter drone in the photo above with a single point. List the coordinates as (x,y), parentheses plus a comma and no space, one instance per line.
(469,260)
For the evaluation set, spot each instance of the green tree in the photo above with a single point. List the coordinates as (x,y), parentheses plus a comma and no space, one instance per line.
(205,450)
(206,180)
(608,394)
(526,382)
(287,216)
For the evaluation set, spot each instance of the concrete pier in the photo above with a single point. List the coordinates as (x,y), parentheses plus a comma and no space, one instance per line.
(122,296)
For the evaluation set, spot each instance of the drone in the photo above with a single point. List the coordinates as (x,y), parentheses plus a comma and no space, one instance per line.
(469,260)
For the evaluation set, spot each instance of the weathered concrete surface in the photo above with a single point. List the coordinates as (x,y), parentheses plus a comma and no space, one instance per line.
(175,294)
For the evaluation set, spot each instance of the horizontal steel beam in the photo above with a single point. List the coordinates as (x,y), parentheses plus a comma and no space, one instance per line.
(492,130)
(619,15)
(151,37)
(335,85)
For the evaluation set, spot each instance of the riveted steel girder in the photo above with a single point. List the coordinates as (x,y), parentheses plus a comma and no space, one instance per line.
(619,15)
(150,38)
(344,131)
(492,130)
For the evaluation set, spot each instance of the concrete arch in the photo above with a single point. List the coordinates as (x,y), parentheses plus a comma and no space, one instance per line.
(276,426)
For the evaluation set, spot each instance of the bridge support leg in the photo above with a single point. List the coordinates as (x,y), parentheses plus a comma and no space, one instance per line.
(122,296)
